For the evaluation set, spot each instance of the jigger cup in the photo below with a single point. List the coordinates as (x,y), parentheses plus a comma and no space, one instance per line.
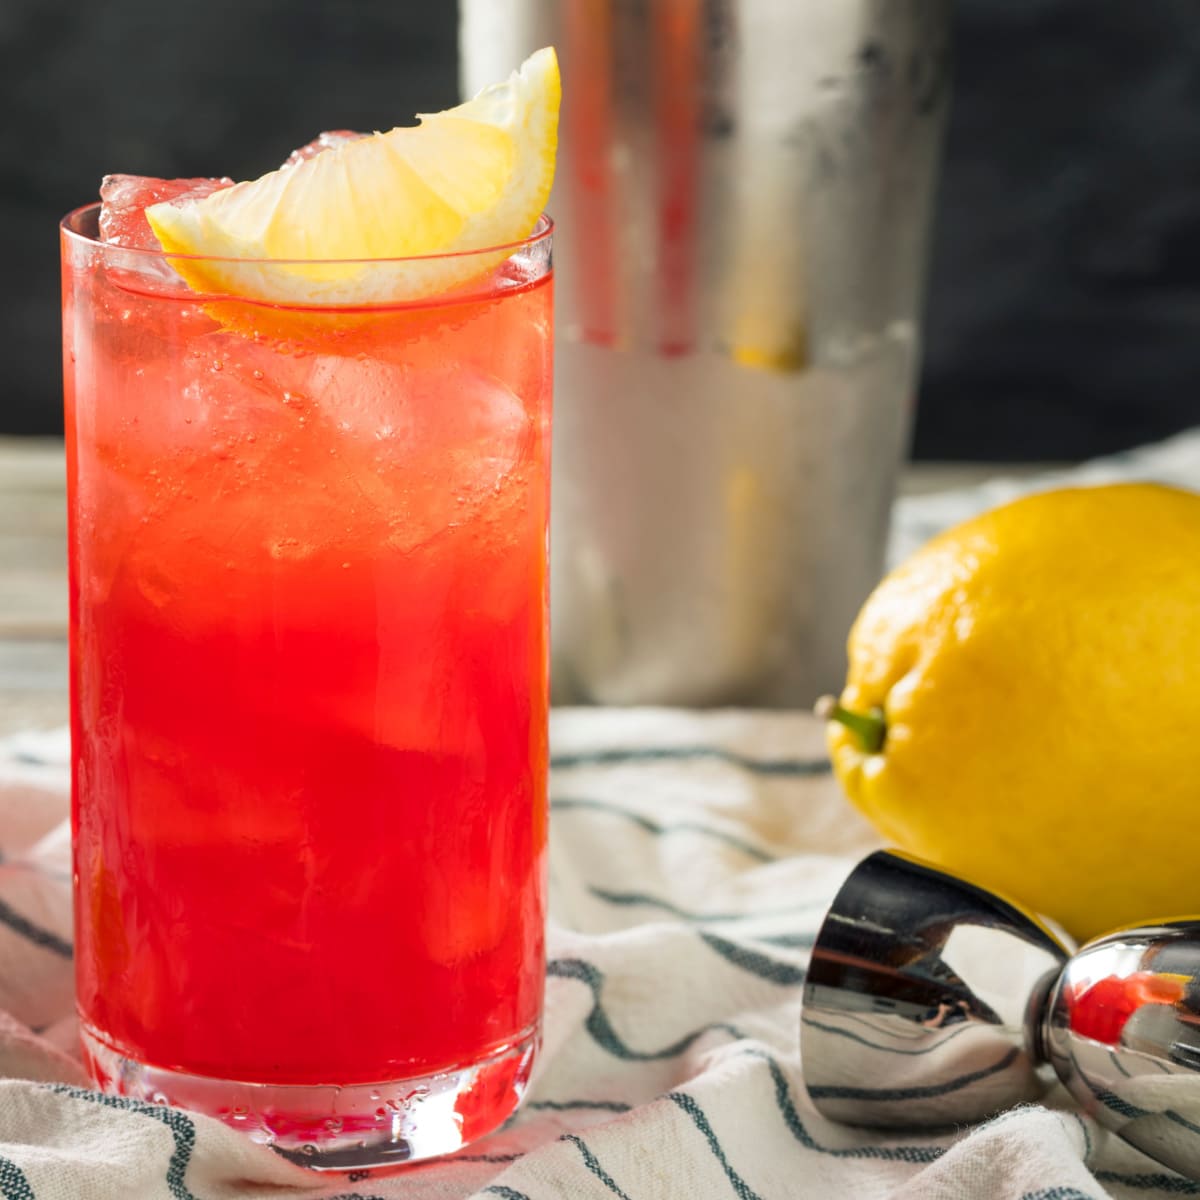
(930,1002)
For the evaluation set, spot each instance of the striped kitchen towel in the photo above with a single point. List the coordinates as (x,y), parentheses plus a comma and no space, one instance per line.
(692,856)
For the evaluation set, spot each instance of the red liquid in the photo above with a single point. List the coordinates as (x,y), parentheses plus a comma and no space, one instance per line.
(309,684)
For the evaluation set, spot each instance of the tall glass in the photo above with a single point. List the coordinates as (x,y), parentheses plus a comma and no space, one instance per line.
(308,698)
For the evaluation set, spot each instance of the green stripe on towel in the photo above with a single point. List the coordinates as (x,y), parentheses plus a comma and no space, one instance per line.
(640,899)
(21,924)
(183,1130)
(743,1190)
(572,803)
(593,1165)
(600,1028)
(13,1184)
(803,768)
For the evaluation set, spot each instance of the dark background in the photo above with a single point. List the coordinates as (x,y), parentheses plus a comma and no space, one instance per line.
(1064,312)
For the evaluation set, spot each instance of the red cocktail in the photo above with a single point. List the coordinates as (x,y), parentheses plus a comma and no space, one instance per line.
(309,689)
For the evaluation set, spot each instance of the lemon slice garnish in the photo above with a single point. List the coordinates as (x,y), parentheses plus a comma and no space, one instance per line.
(320,232)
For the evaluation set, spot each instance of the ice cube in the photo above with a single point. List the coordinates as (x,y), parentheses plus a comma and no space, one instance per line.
(328,140)
(452,415)
(466,433)
(431,445)
(125,198)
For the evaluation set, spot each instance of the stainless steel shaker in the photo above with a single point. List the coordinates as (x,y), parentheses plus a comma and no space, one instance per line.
(743,197)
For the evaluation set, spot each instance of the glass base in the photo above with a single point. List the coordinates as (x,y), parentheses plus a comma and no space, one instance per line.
(332,1128)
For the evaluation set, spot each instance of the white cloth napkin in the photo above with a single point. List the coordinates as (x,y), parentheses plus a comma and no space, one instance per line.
(692,856)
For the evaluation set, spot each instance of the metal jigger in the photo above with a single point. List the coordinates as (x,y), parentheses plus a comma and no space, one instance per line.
(931,1002)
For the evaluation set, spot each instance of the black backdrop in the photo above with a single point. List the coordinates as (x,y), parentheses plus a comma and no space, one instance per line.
(1064,312)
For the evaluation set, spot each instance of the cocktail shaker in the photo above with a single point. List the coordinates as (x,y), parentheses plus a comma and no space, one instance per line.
(930,1001)
(743,199)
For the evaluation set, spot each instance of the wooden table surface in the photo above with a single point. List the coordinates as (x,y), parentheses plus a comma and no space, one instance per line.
(33,585)
(33,574)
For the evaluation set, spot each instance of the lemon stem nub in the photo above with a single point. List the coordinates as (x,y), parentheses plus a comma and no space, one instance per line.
(870,728)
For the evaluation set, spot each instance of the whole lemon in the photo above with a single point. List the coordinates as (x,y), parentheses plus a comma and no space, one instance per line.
(1023,704)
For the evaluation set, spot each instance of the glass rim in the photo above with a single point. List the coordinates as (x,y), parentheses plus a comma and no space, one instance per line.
(542,231)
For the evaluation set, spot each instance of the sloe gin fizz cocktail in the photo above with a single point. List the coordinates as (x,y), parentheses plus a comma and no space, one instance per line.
(309,689)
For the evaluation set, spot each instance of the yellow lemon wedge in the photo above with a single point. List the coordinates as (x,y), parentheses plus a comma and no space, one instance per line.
(329,230)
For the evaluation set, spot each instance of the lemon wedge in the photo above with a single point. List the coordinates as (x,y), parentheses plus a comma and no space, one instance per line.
(328,231)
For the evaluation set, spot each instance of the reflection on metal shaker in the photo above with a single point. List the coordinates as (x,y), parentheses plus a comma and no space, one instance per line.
(743,200)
